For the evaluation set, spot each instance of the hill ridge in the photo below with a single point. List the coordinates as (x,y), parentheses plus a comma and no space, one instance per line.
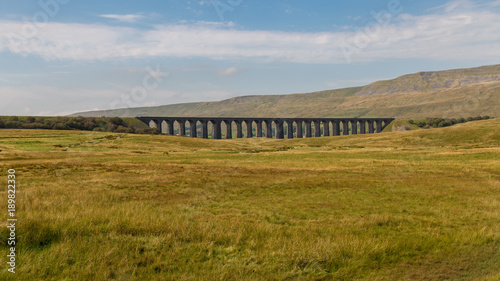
(447,93)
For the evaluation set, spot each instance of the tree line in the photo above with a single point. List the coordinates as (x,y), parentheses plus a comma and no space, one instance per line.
(444,122)
(99,124)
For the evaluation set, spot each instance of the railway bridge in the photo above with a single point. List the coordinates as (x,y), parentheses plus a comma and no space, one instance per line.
(279,128)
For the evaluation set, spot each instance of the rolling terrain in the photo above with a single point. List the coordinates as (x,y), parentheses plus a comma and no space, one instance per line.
(445,94)
(414,205)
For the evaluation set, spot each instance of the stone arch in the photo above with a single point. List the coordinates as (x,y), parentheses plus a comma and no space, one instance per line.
(269,128)
(326,128)
(354,127)
(308,128)
(227,128)
(362,127)
(239,128)
(258,128)
(193,130)
(336,127)
(288,129)
(370,126)
(203,125)
(317,128)
(345,127)
(154,124)
(163,127)
(299,129)
(278,129)
(248,128)
(216,129)
(181,127)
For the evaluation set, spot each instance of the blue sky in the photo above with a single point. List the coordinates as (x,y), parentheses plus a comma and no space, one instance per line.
(64,56)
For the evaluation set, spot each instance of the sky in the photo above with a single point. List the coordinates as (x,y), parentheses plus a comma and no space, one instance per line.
(58,57)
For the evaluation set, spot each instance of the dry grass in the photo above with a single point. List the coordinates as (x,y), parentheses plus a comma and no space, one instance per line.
(420,205)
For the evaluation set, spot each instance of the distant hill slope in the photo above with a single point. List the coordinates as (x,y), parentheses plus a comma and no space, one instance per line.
(450,93)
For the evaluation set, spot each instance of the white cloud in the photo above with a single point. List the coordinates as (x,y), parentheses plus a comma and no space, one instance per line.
(123,18)
(457,30)
(229,71)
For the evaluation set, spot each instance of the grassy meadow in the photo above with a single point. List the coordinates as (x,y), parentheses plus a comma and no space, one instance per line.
(414,205)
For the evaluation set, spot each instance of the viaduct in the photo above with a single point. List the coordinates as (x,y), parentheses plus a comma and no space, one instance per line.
(274,127)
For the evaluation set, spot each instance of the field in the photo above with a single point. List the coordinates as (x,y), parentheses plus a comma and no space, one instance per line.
(415,205)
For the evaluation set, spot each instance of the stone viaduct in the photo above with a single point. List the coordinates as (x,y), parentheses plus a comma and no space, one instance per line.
(274,127)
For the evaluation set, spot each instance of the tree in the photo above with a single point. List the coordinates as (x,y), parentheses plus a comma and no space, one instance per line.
(12,124)
(116,121)
(61,126)
(111,127)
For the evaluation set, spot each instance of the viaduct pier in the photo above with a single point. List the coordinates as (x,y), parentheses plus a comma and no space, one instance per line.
(279,128)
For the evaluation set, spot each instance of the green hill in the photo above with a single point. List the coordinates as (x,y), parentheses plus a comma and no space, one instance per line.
(450,94)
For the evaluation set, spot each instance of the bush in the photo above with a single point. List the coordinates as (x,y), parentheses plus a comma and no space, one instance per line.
(152,131)
(440,122)
(30,119)
(2,124)
(89,125)
(122,129)
(38,125)
(61,126)
(111,127)
(13,124)
(13,118)
(116,121)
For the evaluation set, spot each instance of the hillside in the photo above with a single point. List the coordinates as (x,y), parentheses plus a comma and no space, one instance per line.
(451,94)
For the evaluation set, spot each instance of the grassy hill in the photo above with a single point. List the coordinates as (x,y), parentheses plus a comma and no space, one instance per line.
(449,94)
(414,205)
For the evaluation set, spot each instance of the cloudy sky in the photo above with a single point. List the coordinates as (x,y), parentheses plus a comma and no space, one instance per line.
(63,56)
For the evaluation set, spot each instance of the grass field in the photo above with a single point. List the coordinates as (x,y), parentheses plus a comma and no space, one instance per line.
(416,205)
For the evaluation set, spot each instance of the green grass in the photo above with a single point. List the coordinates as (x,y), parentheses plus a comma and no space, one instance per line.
(417,205)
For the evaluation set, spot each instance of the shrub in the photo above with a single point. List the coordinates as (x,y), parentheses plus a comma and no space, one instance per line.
(111,127)
(122,129)
(12,124)
(116,121)
(152,131)
(61,126)
(2,124)
(30,119)
(13,118)
(89,125)
(38,125)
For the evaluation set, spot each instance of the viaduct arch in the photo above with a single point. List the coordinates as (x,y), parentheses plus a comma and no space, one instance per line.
(278,128)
